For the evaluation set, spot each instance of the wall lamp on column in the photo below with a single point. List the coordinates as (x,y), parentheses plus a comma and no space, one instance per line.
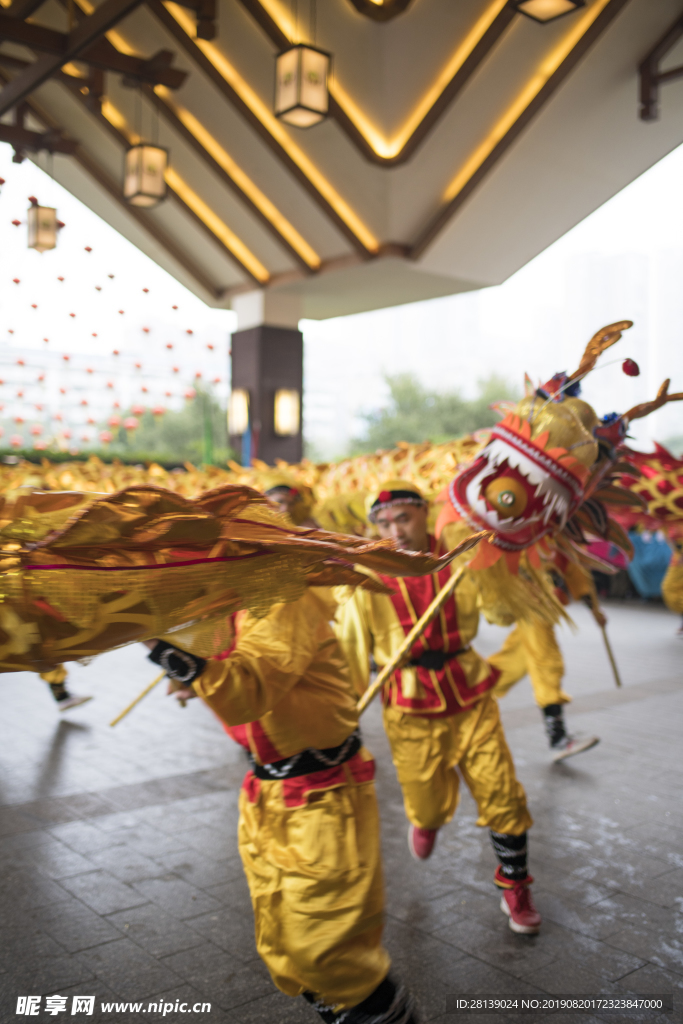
(548,10)
(287,418)
(238,412)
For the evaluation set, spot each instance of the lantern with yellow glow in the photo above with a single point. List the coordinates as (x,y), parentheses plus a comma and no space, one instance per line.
(144,182)
(301,91)
(287,412)
(548,10)
(238,412)
(42,226)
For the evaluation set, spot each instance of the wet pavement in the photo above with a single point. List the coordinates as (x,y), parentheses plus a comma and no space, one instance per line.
(120,876)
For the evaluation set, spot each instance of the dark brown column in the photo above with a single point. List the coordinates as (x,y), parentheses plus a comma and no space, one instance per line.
(266,358)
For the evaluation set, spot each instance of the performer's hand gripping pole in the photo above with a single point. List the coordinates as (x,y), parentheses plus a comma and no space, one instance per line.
(147,689)
(417,631)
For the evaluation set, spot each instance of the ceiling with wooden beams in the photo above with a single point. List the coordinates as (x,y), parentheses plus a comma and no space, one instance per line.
(463,138)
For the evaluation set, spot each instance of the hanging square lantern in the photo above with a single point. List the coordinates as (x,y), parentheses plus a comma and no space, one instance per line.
(42,227)
(238,412)
(287,412)
(548,10)
(301,93)
(144,182)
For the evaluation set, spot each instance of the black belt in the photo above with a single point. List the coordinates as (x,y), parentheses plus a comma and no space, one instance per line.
(307,762)
(435,660)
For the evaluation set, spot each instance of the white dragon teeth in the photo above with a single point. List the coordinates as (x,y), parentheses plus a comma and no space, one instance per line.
(556,498)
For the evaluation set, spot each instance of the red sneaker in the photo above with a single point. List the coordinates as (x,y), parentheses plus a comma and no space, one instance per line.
(421,841)
(518,904)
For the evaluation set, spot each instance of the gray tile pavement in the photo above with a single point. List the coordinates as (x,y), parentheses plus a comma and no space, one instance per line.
(120,878)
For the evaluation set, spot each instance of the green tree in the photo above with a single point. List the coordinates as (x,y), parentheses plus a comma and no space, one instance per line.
(196,433)
(414,413)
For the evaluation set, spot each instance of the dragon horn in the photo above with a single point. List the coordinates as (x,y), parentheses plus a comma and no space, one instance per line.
(645,408)
(600,341)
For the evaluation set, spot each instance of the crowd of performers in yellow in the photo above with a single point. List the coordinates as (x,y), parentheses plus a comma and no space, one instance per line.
(506,534)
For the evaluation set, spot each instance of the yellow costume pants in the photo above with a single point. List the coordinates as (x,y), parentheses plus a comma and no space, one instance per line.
(672,588)
(55,675)
(531,648)
(315,878)
(425,752)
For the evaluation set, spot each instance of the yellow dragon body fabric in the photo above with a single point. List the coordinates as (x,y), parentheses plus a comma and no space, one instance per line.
(82,573)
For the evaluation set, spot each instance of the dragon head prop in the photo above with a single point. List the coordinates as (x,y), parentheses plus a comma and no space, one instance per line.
(540,472)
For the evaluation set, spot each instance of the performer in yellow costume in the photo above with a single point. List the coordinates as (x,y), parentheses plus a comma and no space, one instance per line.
(439,711)
(309,828)
(64,699)
(531,648)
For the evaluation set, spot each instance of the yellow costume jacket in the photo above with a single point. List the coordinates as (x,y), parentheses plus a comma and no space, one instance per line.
(284,688)
(376,624)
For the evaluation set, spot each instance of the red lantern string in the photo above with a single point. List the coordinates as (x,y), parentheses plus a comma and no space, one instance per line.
(105,437)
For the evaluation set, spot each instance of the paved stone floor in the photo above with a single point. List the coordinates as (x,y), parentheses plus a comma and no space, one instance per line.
(120,876)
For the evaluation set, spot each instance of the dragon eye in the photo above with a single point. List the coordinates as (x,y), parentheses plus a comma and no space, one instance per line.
(507,496)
